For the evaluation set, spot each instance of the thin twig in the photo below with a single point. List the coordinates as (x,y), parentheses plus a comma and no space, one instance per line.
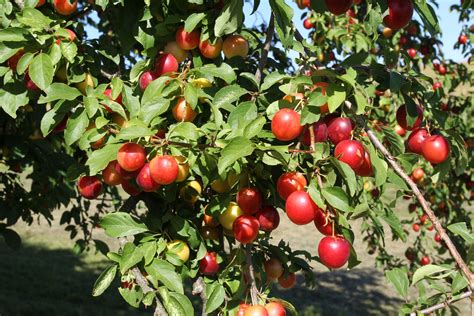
(265,49)
(424,204)
(443,304)
(253,285)
(199,288)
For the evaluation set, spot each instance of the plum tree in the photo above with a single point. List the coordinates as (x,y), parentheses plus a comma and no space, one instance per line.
(200,134)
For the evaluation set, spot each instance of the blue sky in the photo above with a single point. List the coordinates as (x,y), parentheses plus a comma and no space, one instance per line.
(448,22)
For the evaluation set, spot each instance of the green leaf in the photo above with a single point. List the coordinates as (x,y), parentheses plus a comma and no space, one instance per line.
(215,294)
(238,148)
(134,131)
(184,130)
(13,34)
(193,20)
(131,256)
(100,158)
(284,21)
(347,174)
(76,126)
(336,95)
(379,166)
(59,91)
(273,78)
(399,278)
(337,198)
(428,16)
(230,18)
(224,71)
(41,71)
(176,303)
(461,229)
(152,93)
(228,95)
(254,127)
(427,271)
(165,273)
(133,296)
(121,224)
(11,101)
(191,95)
(104,280)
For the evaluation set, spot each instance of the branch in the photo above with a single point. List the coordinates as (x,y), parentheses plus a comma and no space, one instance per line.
(265,49)
(443,304)
(142,282)
(109,75)
(199,288)
(424,204)
(253,286)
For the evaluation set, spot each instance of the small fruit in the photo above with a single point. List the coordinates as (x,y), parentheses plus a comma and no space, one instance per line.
(462,39)
(89,187)
(436,149)
(228,217)
(245,229)
(290,182)
(131,156)
(275,309)
(131,187)
(340,129)
(110,175)
(187,40)
(402,118)
(308,24)
(320,130)
(425,260)
(437,85)
(350,152)
(400,13)
(65,7)
(300,208)
(164,169)
(174,49)
(416,227)
(249,200)
(146,78)
(268,218)
(273,268)
(400,130)
(416,140)
(145,180)
(166,64)
(183,168)
(255,310)
(87,82)
(191,192)
(366,169)
(334,251)
(235,45)
(418,174)
(211,50)
(323,223)
(208,265)
(286,125)
(387,32)
(287,282)
(179,248)
(338,7)
(411,52)
(183,112)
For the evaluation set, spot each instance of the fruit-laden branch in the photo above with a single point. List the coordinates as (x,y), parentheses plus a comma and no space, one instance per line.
(441,305)
(199,288)
(143,284)
(424,204)
(251,273)
(265,49)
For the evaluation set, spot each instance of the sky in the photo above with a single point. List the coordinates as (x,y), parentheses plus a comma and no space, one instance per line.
(448,22)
